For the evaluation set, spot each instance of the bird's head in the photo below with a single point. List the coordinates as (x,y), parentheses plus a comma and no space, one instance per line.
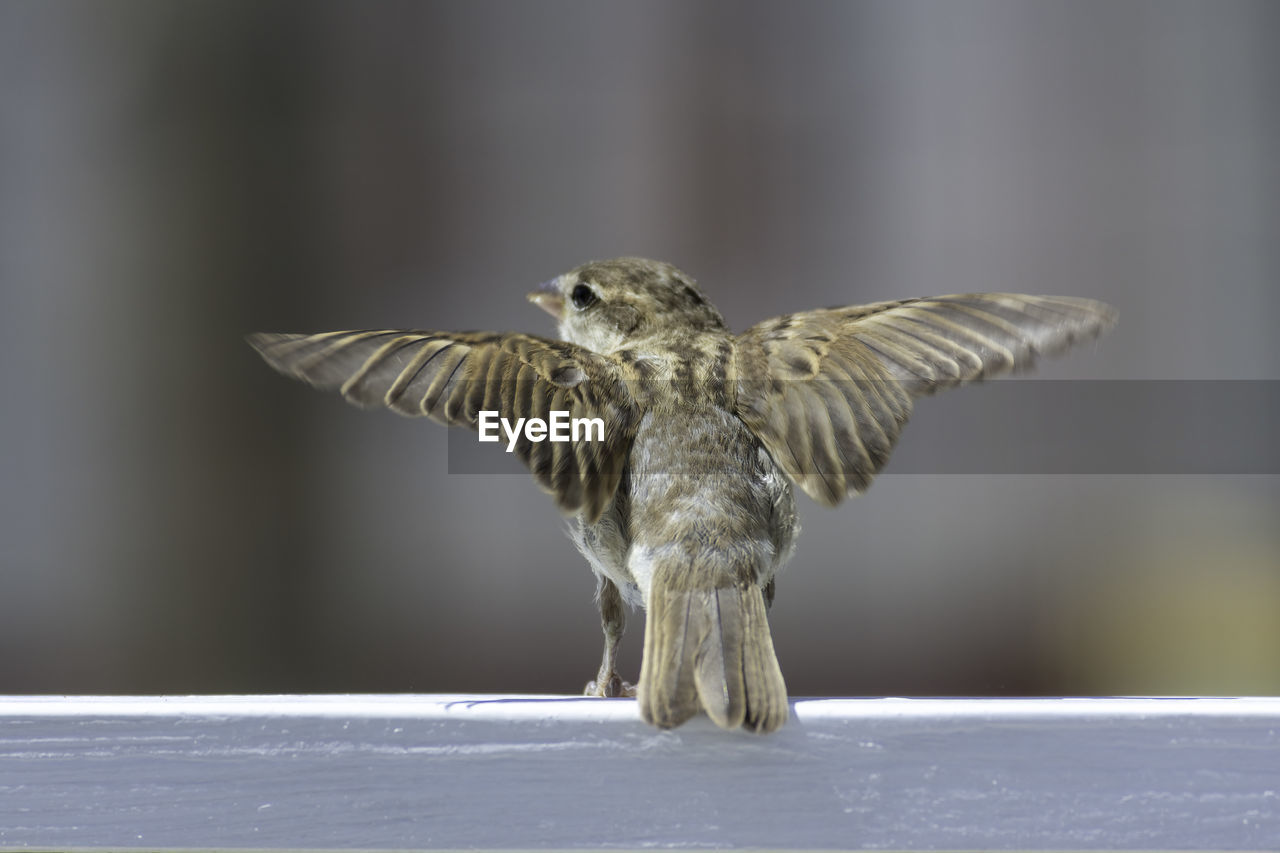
(605,305)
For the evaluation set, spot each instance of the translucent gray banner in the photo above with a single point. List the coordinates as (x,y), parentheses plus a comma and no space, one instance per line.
(1031,426)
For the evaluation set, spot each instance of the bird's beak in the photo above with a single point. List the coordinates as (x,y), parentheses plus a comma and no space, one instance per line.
(547,297)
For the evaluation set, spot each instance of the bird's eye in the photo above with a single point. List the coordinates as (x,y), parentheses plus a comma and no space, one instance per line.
(582,296)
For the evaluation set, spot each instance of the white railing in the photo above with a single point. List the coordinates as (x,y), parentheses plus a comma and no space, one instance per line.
(441,772)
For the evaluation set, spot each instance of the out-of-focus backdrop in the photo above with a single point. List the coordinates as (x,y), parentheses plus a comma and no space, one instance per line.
(174,517)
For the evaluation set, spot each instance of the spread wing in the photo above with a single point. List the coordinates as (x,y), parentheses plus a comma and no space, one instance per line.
(451,377)
(829,391)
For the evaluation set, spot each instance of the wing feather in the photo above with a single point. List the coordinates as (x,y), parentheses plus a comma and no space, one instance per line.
(450,377)
(828,392)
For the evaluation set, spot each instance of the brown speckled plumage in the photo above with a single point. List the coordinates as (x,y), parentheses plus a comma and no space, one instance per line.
(686,506)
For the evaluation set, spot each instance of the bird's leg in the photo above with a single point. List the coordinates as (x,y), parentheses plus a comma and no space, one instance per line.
(613,621)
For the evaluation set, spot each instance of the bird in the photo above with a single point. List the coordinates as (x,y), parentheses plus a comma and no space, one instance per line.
(682,500)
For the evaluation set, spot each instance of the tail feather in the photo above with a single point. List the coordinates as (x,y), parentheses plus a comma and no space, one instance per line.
(766,691)
(710,650)
(667,693)
(717,675)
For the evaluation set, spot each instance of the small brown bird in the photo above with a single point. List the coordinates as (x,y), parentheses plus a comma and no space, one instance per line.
(683,502)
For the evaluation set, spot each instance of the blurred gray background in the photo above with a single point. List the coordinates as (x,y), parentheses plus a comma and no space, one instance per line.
(174,517)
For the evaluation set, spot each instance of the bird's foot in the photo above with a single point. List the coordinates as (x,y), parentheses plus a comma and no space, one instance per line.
(610,687)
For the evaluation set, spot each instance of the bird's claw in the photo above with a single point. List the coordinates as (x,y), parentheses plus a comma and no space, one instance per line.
(610,687)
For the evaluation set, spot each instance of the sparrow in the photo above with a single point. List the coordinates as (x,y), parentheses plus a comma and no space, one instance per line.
(684,503)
